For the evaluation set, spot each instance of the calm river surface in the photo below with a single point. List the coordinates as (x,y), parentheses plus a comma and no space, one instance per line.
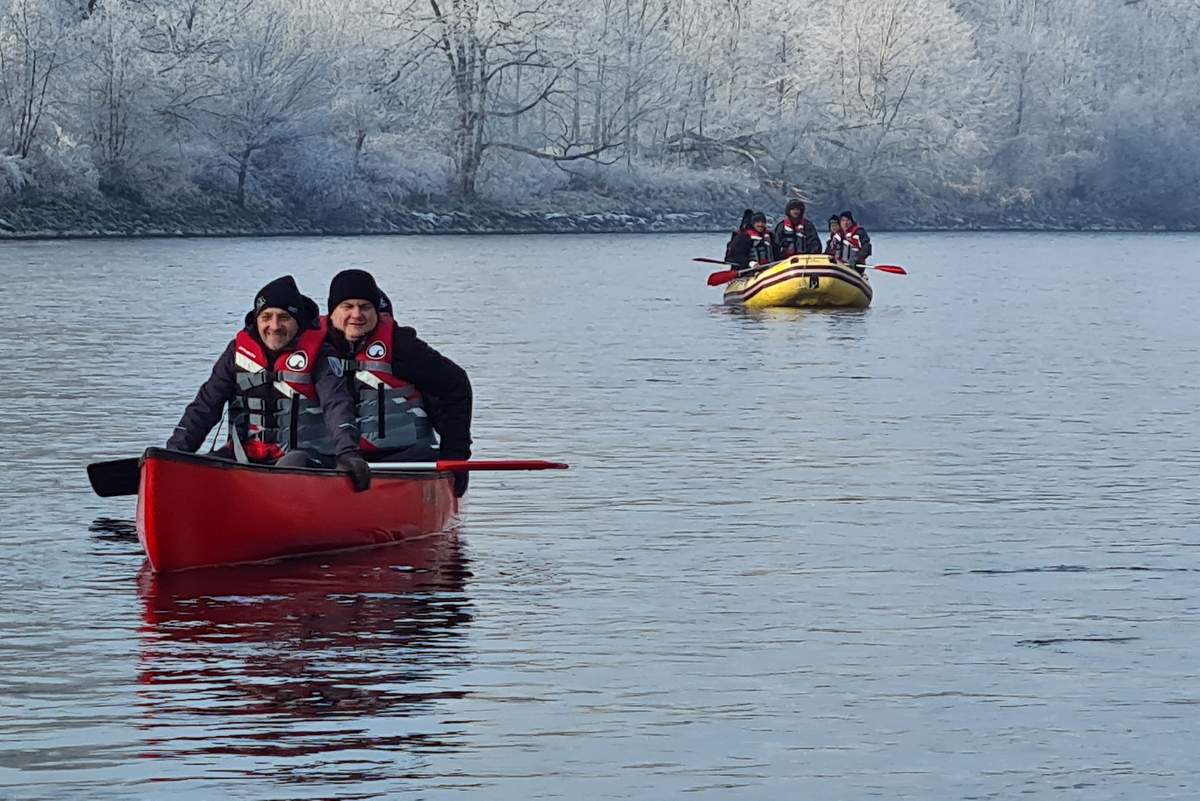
(946,548)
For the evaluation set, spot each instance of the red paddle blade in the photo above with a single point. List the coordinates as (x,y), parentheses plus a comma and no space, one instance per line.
(723,277)
(889,268)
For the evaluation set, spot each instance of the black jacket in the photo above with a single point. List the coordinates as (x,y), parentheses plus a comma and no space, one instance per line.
(744,249)
(337,404)
(444,385)
(786,244)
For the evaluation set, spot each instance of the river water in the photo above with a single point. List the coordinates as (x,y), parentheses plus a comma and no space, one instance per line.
(945,548)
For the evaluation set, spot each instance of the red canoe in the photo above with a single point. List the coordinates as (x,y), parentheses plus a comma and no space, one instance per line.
(196,511)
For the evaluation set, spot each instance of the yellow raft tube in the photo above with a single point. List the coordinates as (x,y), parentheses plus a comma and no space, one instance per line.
(801,281)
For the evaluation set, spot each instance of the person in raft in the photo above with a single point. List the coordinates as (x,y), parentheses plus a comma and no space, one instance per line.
(854,245)
(747,217)
(835,237)
(288,404)
(752,247)
(406,393)
(794,234)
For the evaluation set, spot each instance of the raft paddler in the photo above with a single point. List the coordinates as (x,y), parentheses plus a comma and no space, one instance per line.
(407,394)
(752,246)
(288,403)
(854,245)
(835,235)
(747,216)
(794,234)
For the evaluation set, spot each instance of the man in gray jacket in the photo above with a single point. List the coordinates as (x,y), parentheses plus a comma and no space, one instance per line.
(288,402)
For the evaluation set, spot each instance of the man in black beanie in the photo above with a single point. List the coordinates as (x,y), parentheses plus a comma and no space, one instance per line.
(275,375)
(405,390)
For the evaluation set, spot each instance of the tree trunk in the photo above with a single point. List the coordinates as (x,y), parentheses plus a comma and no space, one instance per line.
(575,108)
(359,141)
(243,168)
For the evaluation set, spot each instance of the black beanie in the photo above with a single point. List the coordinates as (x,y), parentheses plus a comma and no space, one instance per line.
(356,285)
(758,216)
(795,203)
(835,219)
(282,293)
(847,215)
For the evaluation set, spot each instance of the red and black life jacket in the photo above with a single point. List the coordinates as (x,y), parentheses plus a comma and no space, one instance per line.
(849,244)
(274,408)
(791,236)
(761,249)
(391,411)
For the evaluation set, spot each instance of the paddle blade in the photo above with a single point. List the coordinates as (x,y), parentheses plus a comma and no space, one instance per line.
(117,477)
(722,277)
(889,268)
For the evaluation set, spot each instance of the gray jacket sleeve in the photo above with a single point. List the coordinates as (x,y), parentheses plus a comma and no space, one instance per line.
(337,404)
(207,407)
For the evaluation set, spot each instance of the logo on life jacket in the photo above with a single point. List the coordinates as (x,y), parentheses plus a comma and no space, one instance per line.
(297,361)
(376,350)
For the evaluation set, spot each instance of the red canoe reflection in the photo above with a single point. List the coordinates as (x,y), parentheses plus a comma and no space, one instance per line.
(360,634)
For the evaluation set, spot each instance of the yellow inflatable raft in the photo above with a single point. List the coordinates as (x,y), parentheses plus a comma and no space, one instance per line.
(808,281)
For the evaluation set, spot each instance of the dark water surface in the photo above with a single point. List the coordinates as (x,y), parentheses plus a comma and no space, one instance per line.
(946,548)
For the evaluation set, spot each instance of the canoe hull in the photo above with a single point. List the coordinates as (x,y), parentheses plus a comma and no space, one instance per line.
(801,281)
(196,511)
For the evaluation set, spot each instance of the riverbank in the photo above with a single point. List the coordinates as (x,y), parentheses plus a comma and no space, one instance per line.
(58,218)
(55,219)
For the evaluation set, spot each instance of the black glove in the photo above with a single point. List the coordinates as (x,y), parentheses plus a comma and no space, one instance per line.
(360,471)
(461,477)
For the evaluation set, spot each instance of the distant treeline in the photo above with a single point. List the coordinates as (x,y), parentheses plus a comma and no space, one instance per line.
(914,112)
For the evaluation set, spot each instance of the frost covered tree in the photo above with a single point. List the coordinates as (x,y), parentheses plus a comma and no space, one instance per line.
(1008,107)
(33,54)
(270,86)
(116,74)
(498,62)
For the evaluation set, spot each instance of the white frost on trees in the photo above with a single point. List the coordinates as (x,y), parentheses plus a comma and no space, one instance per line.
(933,106)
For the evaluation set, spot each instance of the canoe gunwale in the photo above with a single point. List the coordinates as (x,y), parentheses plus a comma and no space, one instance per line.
(207,461)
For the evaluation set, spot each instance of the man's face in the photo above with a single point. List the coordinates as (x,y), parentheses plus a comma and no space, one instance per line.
(760,226)
(354,318)
(276,328)
(795,213)
(847,224)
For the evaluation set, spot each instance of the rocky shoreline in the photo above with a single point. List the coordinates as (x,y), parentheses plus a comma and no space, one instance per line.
(56,219)
(73,219)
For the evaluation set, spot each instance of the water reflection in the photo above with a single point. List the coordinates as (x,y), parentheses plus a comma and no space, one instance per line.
(282,652)
(112,529)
